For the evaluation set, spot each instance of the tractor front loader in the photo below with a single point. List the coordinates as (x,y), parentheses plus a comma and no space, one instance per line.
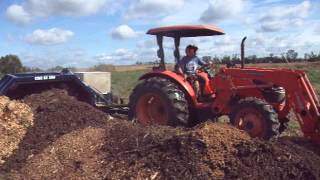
(257,100)
(242,92)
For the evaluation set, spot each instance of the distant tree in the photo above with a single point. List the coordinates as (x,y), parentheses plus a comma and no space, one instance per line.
(226,60)
(32,69)
(277,59)
(291,55)
(155,62)
(11,64)
(251,59)
(56,69)
(306,56)
(268,59)
(312,57)
(284,58)
(271,55)
(216,60)
(103,67)
(206,59)
(235,58)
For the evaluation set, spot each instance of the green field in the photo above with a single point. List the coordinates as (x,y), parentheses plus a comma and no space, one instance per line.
(314,75)
(124,82)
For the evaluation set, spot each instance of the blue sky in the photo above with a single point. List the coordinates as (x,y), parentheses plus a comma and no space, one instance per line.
(82,33)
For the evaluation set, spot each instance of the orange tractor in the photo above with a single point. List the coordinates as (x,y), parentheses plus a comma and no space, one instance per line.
(257,100)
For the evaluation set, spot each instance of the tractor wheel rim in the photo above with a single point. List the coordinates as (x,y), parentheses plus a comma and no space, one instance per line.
(250,120)
(151,109)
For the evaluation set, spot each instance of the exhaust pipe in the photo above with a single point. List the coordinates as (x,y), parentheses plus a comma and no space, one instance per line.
(242,51)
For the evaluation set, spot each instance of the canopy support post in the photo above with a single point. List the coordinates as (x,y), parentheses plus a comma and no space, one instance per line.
(176,51)
(160,52)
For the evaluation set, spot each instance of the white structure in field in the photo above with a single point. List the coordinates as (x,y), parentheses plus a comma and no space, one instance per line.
(100,81)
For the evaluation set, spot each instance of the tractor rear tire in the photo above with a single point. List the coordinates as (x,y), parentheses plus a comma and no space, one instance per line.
(159,101)
(257,117)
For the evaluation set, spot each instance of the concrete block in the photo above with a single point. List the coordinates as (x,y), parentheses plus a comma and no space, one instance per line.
(100,81)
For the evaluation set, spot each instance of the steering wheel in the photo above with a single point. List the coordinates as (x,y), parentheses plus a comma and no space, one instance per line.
(204,67)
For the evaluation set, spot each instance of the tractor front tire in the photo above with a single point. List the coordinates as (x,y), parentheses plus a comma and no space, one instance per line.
(256,117)
(159,101)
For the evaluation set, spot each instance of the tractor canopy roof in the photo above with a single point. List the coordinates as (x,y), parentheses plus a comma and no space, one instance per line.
(186,31)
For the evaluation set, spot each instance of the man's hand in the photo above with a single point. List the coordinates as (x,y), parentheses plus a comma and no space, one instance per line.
(178,70)
(208,65)
(185,77)
(203,67)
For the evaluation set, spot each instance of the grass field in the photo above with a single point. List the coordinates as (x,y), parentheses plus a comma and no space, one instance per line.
(314,75)
(123,82)
(312,70)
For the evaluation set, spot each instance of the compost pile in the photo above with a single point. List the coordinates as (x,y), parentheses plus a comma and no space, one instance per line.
(69,139)
(15,118)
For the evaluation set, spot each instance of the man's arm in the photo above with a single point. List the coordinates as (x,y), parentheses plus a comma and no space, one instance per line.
(178,69)
(200,62)
(179,66)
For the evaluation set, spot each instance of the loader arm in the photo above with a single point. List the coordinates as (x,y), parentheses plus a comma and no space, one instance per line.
(300,95)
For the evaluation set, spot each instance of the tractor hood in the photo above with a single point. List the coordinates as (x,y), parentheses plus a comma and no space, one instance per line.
(186,31)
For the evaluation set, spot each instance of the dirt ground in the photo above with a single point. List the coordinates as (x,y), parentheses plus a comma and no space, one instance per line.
(68,139)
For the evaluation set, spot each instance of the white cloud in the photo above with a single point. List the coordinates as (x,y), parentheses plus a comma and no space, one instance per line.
(62,56)
(280,24)
(317,29)
(121,52)
(222,9)
(124,32)
(103,58)
(49,37)
(18,15)
(146,9)
(120,56)
(271,1)
(258,40)
(223,41)
(44,8)
(65,7)
(264,44)
(286,16)
(188,14)
(150,42)
(300,10)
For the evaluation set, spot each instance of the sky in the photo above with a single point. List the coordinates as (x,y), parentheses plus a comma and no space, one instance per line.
(83,33)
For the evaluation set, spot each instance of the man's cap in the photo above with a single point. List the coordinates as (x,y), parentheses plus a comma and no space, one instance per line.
(190,46)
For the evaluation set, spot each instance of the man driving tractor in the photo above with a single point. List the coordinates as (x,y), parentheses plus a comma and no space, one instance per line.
(188,67)
(257,100)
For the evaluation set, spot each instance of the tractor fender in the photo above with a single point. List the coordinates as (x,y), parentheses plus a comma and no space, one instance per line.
(181,81)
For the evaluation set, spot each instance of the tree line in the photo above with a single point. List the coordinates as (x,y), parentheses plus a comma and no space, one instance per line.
(12,63)
(288,57)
